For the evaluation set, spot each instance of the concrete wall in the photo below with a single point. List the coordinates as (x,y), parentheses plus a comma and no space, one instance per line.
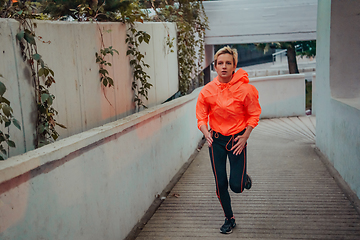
(81,101)
(99,183)
(337,87)
(281,96)
(275,72)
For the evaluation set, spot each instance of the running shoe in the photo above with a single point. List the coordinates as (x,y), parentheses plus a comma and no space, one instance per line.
(247,182)
(228,226)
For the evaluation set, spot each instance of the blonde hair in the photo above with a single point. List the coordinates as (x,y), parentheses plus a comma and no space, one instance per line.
(232,51)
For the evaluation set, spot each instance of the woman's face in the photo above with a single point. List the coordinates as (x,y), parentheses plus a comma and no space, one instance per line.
(225,67)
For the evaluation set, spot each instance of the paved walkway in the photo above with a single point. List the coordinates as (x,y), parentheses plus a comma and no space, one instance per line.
(293,195)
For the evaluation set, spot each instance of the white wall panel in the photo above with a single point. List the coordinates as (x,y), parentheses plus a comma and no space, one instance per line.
(281,96)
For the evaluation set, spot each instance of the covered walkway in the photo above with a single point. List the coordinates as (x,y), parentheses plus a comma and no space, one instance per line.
(294,195)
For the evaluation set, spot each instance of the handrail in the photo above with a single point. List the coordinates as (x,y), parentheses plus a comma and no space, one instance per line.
(285,50)
(277,53)
(297,47)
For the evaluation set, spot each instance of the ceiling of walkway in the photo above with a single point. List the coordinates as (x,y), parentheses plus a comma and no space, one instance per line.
(255,21)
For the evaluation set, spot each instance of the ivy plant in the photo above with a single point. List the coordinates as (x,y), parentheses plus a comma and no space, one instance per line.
(140,84)
(191,22)
(42,76)
(105,79)
(128,12)
(6,119)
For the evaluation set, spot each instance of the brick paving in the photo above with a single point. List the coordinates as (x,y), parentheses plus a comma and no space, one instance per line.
(293,194)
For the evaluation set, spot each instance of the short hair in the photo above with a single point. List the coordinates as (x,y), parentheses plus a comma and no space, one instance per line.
(232,51)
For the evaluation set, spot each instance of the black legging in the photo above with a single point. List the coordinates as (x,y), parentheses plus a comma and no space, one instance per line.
(218,153)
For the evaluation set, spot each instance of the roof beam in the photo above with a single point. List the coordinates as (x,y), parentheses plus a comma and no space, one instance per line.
(255,21)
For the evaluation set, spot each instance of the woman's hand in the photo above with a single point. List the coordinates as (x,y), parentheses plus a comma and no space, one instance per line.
(240,144)
(207,134)
(209,139)
(241,141)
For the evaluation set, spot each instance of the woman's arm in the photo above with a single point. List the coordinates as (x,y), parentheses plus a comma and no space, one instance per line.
(202,113)
(207,134)
(253,110)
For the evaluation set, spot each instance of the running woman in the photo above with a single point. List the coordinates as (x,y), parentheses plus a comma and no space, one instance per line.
(231,105)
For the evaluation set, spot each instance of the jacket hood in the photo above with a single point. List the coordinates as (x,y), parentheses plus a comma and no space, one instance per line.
(240,76)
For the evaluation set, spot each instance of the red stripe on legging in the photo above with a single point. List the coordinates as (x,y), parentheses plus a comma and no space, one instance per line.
(216,179)
(242,177)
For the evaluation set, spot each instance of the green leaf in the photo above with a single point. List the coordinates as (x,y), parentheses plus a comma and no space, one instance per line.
(7,110)
(105,82)
(41,71)
(36,57)
(103,71)
(147,38)
(44,97)
(50,101)
(42,63)
(1,158)
(11,143)
(46,72)
(111,82)
(16,123)
(2,89)
(29,37)
(20,35)
(55,136)
(7,123)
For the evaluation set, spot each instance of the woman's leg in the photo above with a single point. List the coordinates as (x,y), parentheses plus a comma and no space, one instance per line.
(218,155)
(238,171)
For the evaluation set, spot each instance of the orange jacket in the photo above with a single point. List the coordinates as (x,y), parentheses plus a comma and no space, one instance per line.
(230,107)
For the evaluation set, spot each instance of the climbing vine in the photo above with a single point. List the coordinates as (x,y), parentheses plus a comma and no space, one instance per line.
(140,84)
(42,76)
(191,22)
(128,12)
(6,118)
(105,78)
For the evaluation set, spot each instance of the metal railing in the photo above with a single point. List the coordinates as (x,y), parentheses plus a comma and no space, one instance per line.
(281,53)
